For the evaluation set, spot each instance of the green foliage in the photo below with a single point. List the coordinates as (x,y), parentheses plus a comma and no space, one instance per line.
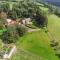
(5,7)
(21,30)
(12,15)
(25,9)
(10,35)
(41,19)
(57,12)
(2,22)
(53,44)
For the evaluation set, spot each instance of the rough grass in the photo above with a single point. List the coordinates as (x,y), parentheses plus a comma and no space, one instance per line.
(54,26)
(37,43)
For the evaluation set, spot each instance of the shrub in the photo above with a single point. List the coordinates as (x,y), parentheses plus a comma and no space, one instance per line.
(21,30)
(53,44)
(41,19)
(12,14)
(57,13)
(10,36)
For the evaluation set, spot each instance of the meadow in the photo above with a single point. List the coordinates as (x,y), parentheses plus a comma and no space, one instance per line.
(37,43)
(54,26)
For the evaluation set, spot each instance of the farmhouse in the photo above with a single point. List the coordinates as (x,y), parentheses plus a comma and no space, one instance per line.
(26,21)
(11,22)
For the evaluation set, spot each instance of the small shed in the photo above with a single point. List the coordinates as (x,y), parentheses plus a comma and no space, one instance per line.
(26,21)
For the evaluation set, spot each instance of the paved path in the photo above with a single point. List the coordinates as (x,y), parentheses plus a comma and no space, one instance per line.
(8,56)
(30,29)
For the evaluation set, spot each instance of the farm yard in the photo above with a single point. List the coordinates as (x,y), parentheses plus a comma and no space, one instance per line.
(31,28)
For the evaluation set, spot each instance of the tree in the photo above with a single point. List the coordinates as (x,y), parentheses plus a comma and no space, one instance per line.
(5,7)
(21,30)
(57,12)
(12,14)
(13,33)
(10,36)
(41,19)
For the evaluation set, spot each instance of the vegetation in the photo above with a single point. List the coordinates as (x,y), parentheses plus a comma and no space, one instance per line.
(12,34)
(25,10)
(21,10)
(37,43)
(53,27)
(41,19)
(12,15)
(21,30)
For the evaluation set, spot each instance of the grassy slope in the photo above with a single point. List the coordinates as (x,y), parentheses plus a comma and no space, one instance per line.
(54,26)
(37,43)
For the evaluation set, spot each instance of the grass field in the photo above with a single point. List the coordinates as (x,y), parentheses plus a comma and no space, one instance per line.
(37,43)
(54,27)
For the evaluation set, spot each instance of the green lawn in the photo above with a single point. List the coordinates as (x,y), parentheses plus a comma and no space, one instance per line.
(54,26)
(37,43)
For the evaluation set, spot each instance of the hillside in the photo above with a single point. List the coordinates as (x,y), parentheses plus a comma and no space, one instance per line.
(31,44)
(54,26)
(36,43)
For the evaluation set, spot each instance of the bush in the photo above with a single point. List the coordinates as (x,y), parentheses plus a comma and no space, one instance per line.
(53,44)
(10,36)
(57,13)
(12,14)
(41,19)
(21,30)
